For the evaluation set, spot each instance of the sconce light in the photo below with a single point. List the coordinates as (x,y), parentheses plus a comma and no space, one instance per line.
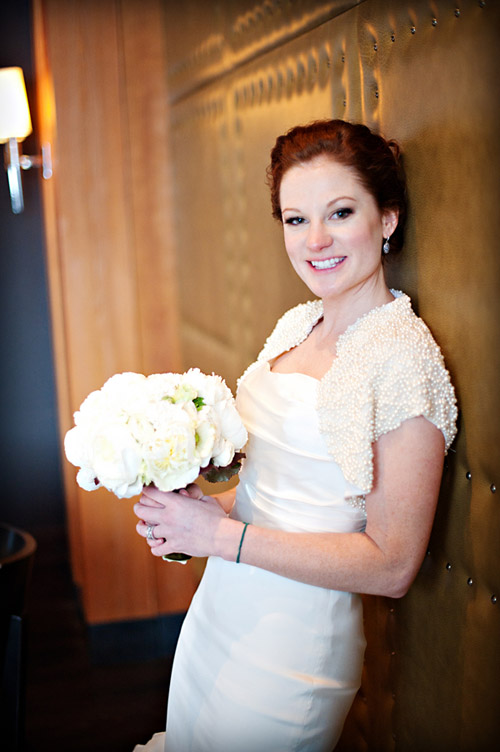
(15,125)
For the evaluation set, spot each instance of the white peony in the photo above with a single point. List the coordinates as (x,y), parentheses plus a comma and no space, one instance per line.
(115,458)
(159,429)
(161,385)
(169,461)
(87,480)
(212,388)
(231,426)
(205,437)
(76,447)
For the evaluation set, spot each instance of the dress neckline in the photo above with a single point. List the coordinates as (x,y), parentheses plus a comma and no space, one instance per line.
(291,373)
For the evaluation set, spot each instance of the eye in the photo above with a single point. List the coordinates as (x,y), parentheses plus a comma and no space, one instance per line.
(342,213)
(294,220)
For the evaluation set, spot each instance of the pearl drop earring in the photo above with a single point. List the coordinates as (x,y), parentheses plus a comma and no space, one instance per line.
(386,247)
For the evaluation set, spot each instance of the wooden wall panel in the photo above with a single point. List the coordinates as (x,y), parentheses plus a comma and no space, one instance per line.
(111,263)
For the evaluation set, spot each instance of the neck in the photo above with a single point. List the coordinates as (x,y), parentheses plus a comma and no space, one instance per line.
(342,311)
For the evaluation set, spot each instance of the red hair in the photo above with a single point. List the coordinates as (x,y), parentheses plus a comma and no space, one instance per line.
(376,161)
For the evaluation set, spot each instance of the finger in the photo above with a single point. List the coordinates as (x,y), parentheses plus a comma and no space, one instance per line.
(150,500)
(163,549)
(143,529)
(194,491)
(150,515)
(155,542)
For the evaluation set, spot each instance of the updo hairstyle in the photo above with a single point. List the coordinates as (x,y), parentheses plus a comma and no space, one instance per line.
(376,161)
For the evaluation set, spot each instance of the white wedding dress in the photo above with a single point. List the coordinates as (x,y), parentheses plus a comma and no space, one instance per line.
(265,663)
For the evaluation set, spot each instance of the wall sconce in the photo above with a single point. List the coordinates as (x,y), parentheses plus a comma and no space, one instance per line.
(15,125)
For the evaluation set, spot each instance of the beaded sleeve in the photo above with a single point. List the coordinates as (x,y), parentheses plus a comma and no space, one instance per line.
(388,369)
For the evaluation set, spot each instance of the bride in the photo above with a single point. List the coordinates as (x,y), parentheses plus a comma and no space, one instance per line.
(349,411)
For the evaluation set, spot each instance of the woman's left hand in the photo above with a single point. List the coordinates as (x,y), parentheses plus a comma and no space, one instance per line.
(184,521)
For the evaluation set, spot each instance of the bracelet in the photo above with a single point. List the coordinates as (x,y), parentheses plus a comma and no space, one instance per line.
(245,525)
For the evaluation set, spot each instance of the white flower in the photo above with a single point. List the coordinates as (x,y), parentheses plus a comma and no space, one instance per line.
(76,447)
(212,388)
(231,426)
(115,457)
(205,438)
(169,461)
(161,385)
(223,453)
(159,429)
(87,480)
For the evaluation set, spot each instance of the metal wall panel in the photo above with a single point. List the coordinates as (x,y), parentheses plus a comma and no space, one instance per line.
(427,74)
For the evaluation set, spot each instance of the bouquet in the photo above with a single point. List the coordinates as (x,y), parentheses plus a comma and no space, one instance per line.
(165,429)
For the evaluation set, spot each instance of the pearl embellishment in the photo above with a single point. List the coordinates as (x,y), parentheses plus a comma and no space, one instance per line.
(388,369)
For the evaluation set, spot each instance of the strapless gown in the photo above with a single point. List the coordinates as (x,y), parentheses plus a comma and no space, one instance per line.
(265,663)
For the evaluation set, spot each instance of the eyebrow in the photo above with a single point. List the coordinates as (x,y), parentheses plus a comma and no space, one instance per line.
(330,203)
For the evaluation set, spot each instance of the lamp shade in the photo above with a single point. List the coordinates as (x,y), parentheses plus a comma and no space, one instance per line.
(15,121)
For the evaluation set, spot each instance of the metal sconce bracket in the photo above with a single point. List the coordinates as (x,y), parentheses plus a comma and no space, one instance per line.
(15,162)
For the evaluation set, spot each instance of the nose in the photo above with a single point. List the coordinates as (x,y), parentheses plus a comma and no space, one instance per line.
(319,237)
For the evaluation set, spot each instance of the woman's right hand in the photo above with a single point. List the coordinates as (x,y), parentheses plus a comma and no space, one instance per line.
(192,490)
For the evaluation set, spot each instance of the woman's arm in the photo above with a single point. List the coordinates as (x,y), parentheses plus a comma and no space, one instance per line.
(383,560)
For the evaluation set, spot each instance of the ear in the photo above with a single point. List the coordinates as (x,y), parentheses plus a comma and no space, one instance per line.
(389,222)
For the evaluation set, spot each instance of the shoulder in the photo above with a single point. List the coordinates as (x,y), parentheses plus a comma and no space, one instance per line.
(406,374)
(393,325)
(388,369)
(292,329)
(390,340)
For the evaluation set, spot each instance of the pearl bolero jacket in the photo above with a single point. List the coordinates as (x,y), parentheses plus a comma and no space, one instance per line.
(388,369)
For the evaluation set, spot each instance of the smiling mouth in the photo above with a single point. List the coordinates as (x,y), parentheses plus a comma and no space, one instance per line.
(327,263)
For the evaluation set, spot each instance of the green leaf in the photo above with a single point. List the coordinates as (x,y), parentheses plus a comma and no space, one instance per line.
(215,474)
(176,557)
(198,402)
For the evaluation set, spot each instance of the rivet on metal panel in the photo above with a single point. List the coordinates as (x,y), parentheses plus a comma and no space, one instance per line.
(312,68)
(270,85)
(493,488)
(261,90)
(494,598)
(448,566)
(470,581)
(468,475)
(301,74)
(457,12)
(413,30)
(280,83)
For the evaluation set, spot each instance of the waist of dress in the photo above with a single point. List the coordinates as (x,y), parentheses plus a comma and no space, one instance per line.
(294,514)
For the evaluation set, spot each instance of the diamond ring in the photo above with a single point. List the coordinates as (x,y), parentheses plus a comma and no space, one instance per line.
(149,532)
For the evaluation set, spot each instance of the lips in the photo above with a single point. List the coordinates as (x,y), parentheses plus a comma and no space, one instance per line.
(330,263)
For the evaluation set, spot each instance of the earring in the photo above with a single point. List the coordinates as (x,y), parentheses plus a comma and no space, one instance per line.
(386,247)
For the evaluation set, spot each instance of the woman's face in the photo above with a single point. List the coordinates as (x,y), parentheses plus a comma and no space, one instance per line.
(333,229)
